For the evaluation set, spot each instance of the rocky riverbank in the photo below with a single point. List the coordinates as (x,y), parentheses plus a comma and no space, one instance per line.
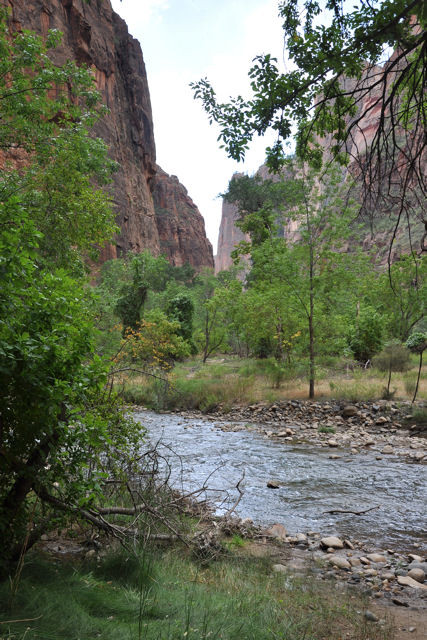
(384,427)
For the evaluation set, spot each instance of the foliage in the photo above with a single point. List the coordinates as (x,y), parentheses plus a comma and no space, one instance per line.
(393,357)
(298,295)
(331,63)
(58,426)
(181,310)
(417,342)
(365,338)
(155,343)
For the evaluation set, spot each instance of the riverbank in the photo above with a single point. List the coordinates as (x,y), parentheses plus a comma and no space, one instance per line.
(156,594)
(360,431)
(388,428)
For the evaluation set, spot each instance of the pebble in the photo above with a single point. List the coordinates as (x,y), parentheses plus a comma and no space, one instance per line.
(339,562)
(407,581)
(272,484)
(371,617)
(278,531)
(376,557)
(332,542)
(417,574)
(388,449)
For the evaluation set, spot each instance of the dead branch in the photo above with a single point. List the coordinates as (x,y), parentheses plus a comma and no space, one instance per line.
(356,513)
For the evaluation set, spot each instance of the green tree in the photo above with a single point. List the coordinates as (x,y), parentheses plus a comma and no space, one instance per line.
(366,336)
(334,63)
(307,280)
(58,427)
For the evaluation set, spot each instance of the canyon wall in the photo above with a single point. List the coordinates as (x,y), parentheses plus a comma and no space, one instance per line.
(95,35)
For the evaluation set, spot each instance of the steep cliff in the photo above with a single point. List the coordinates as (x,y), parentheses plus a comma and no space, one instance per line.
(95,35)
(181,227)
(229,235)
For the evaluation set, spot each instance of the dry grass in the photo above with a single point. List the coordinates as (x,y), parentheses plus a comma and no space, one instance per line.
(231,381)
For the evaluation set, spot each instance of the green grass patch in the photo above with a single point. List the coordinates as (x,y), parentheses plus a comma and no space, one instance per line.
(169,596)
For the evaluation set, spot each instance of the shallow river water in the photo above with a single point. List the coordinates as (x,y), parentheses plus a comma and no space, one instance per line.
(311,483)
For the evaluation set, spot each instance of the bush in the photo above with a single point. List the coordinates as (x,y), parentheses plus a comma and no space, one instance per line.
(365,338)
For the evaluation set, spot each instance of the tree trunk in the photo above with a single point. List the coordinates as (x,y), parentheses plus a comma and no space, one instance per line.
(418,378)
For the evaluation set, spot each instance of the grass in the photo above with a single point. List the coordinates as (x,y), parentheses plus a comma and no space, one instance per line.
(166,596)
(229,381)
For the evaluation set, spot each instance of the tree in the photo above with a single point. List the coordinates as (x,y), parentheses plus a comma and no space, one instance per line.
(366,336)
(417,343)
(334,70)
(393,357)
(307,280)
(59,429)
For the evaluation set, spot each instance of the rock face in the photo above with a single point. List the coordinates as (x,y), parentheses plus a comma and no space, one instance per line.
(229,234)
(181,227)
(95,35)
(378,209)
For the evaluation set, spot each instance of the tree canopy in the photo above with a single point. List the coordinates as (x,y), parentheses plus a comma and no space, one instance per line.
(341,75)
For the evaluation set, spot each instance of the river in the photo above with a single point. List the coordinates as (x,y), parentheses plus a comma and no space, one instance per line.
(310,482)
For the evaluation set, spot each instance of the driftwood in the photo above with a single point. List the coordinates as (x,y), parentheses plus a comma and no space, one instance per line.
(356,513)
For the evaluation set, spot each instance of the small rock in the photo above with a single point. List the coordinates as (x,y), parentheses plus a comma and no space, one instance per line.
(376,557)
(417,574)
(349,411)
(407,581)
(370,572)
(332,542)
(388,575)
(412,629)
(381,420)
(364,560)
(339,562)
(412,556)
(355,562)
(273,484)
(399,603)
(418,565)
(334,456)
(348,544)
(301,537)
(388,449)
(332,443)
(371,617)
(278,531)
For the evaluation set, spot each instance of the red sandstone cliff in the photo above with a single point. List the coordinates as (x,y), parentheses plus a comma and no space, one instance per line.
(181,227)
(95,35)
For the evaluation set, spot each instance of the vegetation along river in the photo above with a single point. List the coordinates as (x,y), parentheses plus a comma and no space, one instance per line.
(310,482)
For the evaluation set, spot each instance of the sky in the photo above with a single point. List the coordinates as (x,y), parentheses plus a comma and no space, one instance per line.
(183,41)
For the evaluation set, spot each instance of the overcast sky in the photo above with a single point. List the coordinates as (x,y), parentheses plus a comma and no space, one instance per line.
(183,41)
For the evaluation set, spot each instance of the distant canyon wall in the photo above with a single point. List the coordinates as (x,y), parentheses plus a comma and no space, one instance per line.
(153,209)
(378,212)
